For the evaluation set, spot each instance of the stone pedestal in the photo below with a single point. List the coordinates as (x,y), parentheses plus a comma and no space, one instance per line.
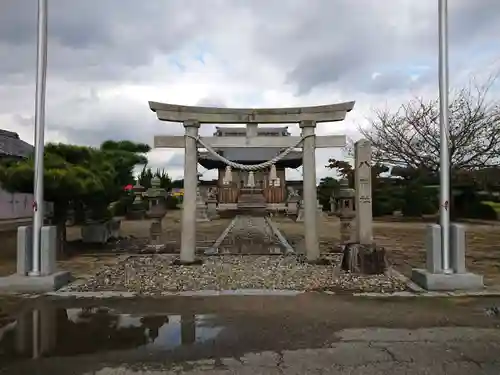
(346,230)
(292,207)
(155,232)
(433,278)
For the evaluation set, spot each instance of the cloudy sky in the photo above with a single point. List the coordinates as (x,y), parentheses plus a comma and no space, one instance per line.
(108,58)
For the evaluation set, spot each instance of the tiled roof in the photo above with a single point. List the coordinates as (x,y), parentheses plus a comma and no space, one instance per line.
(12,145)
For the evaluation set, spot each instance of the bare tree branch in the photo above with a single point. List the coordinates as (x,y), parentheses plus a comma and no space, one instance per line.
(409,137)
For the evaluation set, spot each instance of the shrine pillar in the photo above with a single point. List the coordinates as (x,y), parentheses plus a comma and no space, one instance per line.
(188,236)
(309,190)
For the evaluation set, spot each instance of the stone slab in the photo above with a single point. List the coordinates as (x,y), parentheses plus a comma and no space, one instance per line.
(447,282)
(34,284)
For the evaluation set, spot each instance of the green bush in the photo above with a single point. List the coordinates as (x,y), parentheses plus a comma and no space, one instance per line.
(492,204)
(419,200)
(382,208)
(172,203)
(121,206)
(481,211)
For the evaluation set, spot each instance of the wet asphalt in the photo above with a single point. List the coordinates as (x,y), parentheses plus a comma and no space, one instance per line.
(309,333)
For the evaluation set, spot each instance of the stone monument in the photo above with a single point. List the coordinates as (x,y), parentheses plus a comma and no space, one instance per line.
(363,191)
(363,255)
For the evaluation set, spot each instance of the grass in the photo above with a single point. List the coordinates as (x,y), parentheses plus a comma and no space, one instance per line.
(494,205)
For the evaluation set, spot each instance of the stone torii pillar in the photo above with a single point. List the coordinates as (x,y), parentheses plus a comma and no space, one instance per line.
(309,190)
(188,236)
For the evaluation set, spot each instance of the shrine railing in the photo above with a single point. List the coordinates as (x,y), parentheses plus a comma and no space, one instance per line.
(228,194)
(274,194)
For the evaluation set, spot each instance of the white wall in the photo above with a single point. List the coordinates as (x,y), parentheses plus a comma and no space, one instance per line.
(18,205)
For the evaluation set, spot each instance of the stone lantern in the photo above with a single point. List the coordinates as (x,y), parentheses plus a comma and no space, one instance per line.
(137,210)
(333,204)
(345,210)
(156,197)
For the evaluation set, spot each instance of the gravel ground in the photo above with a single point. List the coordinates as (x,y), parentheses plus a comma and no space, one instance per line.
(154,274)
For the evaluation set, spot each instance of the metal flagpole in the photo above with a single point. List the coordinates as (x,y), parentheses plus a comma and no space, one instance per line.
(41,78)
(444,136)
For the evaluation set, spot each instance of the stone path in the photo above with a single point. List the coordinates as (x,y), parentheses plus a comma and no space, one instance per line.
(251,235)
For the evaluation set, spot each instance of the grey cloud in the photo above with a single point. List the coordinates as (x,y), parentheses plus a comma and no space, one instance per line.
(396,81)
(99,43)
(176,161)
(337,42)
(99,40)
(212,102)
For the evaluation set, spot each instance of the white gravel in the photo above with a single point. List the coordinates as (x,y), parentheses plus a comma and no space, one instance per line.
(155,274)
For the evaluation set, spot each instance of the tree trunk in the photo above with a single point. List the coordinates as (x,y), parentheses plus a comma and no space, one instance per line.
(364,259)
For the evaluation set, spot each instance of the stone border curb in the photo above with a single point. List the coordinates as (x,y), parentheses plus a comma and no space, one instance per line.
(263,293)
(192,293)
(391,272)
(110,294)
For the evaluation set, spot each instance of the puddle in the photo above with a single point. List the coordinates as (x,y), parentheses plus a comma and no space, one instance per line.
(56,332)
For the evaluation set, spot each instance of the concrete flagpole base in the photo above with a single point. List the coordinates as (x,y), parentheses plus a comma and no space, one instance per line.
(34,284)
(50,279)
(433,278)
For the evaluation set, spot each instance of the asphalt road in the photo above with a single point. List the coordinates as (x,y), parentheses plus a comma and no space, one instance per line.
(307,334)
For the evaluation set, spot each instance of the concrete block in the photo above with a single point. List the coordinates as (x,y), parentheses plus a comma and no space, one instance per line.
(34,284)
(434,258)
(447,282)
(24,249)
(48,250)
(457,248)
(95,233)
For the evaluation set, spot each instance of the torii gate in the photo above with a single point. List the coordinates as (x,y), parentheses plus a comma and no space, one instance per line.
(307,118)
